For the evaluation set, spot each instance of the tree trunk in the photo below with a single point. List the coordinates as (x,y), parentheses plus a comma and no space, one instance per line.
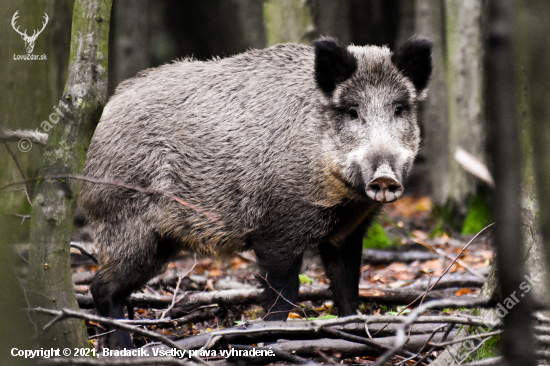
(250,19)
(433,111)
(464,36)
(129,49)
(289,21)
(517,341)
(536,30)
(332,19)
(29,89)
(406,21)
(82,102)
(532,219)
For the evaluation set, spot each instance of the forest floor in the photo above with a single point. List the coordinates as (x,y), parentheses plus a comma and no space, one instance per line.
(407,227)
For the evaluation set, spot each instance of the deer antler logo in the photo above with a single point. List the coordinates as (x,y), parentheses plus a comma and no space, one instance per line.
(29,41)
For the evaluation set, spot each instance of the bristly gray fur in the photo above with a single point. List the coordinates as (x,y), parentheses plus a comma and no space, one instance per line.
(254,140)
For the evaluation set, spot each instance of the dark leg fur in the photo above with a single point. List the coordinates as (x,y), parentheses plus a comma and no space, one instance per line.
(343,266)
(111,305)
(279,273)
(116,280)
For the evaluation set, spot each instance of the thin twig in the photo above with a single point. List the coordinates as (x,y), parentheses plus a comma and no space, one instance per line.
(444,272)
(102,334)
(443,339)
(83,250)
(279,295)
(118,184)
(434,332)
(473,350)
(459,254)
(68,313)
(458,261)
(400,338)
(24,217)
(177,288)
(425,293)
(26,189)
(477,336)
(163,314)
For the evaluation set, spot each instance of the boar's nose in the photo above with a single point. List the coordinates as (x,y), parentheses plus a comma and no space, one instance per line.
(384,189)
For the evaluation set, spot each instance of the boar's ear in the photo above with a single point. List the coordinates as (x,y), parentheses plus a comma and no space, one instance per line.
(333,64)
(414,59)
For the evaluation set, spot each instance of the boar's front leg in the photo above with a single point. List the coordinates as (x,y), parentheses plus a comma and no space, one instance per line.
(343,267)
(279,276)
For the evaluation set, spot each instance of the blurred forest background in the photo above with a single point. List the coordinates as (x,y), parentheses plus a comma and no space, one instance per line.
(151,33)
(458,137)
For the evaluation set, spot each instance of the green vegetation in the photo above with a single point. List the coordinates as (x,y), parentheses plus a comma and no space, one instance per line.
(491,348)
(478,216)
(377,238)
(305,280)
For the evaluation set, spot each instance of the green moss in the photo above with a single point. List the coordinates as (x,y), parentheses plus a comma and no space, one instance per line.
(491,348)
(377,238)
(305,280)
(478,216)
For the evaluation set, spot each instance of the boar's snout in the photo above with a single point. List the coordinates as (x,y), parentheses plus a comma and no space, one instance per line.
(384,189)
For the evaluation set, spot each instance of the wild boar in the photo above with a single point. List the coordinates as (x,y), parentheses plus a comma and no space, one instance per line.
(289,147)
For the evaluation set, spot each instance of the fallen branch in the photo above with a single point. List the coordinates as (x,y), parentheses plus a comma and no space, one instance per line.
(496,361)
(68,313)
(250,296)
(459,281)
(307,348)
(401,338)
(372,256)
(36,137)
(266,331)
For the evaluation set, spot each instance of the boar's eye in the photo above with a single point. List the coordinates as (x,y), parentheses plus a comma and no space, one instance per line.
(352,113)
(399,110)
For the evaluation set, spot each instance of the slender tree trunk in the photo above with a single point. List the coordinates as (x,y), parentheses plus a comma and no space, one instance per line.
(517,344)
(129,51)
(433,114)
(332,18)
(289,21)
(83,99)
(464,37)
(250,18)
(406,24)
(536,30)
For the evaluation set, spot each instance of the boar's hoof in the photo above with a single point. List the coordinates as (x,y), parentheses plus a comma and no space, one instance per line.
(384,189)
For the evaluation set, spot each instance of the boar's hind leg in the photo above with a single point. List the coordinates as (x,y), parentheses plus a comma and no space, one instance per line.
(133,256)
(343,267)
(279,273)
